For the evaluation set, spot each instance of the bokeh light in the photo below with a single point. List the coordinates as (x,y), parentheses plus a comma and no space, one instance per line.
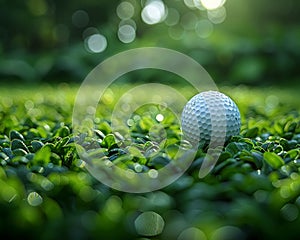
(227,232)
(89,32)
(190,3)
(217,16)
(34,199)
(176,32)
(199,5)
(172,17)
(126,33)
(189,21)
(149,224)
(192,234)
(154,12)
(80,18)
(212,4)
(125,10)
(204,28)
(96,43)
(130,22)
(159,117)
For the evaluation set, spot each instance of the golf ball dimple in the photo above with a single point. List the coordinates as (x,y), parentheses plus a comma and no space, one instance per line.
(210,116)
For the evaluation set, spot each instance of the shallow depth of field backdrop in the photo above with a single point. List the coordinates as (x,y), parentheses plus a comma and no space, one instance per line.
(252,51)
(252,42)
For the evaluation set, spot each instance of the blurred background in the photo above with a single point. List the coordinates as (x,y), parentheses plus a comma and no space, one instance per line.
(252,42)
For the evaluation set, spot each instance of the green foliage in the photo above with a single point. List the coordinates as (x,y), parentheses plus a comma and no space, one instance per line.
(273,160)
(41,41)
(46,192)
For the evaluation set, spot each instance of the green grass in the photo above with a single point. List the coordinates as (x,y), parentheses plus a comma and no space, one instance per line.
(46,192)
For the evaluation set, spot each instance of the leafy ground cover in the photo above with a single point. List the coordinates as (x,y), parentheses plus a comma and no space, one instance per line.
(46,192)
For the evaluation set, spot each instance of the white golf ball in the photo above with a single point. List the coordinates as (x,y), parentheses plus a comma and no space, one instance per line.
(210,117)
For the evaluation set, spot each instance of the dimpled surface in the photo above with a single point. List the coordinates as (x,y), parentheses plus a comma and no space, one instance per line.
(210,117)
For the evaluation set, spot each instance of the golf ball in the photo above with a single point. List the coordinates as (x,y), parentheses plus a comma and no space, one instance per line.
(210,116)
